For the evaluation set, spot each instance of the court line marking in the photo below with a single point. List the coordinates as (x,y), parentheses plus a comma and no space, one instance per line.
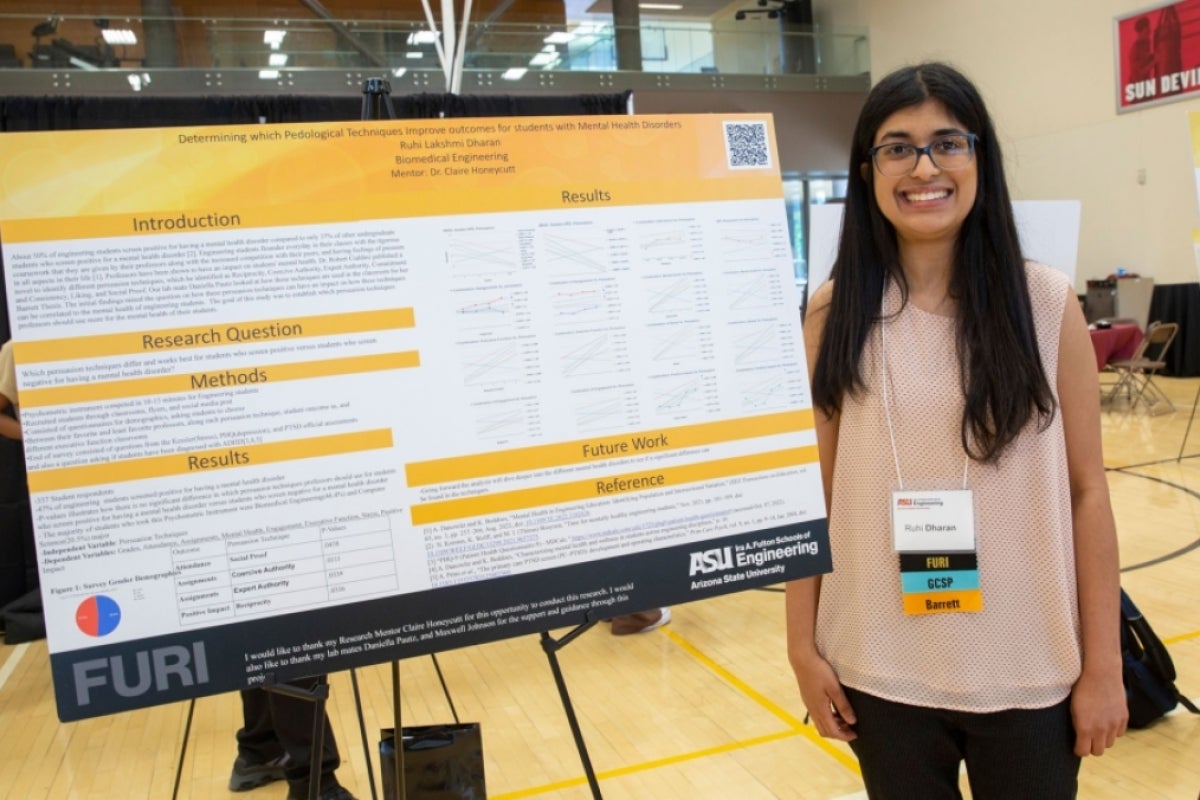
(1183,637)
(645,766)
(11,664)
(807,731)
(1168,556)
(795,728)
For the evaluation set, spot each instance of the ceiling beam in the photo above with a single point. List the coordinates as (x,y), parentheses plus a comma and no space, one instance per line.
(342,31)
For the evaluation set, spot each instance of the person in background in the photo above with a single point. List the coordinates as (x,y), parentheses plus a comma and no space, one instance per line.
(275,743)
(640,621)
(950,374)
(10,426)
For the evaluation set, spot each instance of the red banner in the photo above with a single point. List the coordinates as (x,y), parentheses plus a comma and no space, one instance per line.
(1158,55)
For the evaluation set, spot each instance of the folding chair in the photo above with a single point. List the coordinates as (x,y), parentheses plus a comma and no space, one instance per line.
(1107,387)
(1136,374)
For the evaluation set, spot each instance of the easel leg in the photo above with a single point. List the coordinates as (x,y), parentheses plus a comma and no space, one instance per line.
(362,732)
(398,735)
(1191,418)
(318,694)
(551,646)
(318,739)
(187,732)
(445,688)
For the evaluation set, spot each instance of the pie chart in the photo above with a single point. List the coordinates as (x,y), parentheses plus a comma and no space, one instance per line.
(98,615)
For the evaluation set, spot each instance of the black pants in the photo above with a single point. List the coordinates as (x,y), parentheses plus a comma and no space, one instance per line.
(18,555)
(276,724)
(913,753)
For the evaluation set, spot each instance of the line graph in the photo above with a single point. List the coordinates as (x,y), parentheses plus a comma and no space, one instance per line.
(606,409)
(754,289)
(491,308)
(670,242)
(585,303)
(676,295)
(494,362)
(507,420)
(679,344)
(758,343)
(746,243)
(500,423)
(680,396)
(497,306)
(580,252)
(482,252)
(775,388)
(592,353)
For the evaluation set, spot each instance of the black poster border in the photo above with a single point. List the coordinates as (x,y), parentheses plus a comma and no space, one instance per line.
(108,679)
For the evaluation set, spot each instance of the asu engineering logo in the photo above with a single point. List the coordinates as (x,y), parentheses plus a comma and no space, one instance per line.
(709,561)
(919,502)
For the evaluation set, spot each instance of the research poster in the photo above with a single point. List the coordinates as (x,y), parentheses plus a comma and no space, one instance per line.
(304,397)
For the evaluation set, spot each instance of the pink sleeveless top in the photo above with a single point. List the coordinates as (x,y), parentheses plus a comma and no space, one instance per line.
(1022,650)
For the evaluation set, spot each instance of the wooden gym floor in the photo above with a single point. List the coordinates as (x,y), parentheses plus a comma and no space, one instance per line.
(704,708)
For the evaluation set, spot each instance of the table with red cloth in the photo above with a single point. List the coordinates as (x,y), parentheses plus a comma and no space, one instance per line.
(1117,342)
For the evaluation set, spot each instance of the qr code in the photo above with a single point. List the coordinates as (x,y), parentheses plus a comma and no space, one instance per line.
(746,145)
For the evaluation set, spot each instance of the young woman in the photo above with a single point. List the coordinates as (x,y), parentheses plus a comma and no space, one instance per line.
(972,613)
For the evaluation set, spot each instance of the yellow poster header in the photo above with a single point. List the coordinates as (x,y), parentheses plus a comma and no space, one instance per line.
(229,334)
(85,184)
(504,462)
(50,480)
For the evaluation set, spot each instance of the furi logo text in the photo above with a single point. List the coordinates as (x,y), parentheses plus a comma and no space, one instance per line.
(135,674)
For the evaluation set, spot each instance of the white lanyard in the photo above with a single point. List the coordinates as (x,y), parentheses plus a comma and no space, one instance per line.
(887,408)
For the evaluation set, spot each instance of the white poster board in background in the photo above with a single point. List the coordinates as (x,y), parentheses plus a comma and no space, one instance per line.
(824,230)
(1049,231)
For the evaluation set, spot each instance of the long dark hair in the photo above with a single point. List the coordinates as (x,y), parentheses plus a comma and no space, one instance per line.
(1003,381)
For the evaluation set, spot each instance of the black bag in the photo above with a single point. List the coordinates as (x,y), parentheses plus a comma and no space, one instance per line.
(441,762)
(1148,669)
(22,620)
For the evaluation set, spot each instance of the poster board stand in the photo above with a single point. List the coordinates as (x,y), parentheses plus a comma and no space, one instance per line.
(317,695)
(362,732)
(552,646)
(187,731)
(398,764)
(1187,431)
(376,101)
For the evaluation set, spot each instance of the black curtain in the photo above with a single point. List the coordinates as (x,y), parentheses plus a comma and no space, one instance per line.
(56,113)
(1179,302)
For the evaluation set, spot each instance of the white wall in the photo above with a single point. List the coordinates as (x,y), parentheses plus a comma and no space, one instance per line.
(1047,71)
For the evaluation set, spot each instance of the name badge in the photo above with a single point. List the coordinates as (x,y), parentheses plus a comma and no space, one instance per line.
(933,522)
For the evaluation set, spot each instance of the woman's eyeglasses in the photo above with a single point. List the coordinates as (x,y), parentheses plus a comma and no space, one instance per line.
(949,153)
